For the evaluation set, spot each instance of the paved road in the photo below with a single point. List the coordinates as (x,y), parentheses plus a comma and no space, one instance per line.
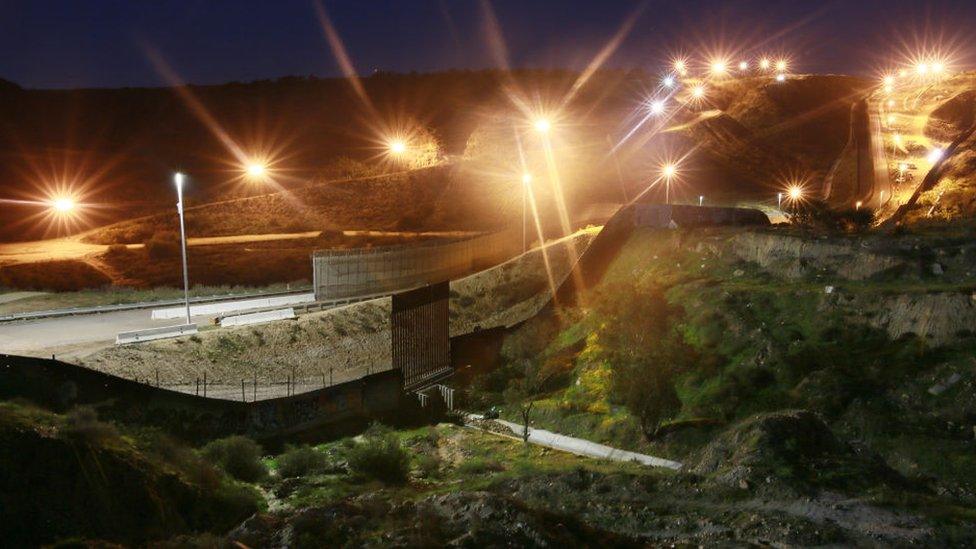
(39,337)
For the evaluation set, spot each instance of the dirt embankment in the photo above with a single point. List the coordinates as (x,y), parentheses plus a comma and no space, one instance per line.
(903,286)
(348,341)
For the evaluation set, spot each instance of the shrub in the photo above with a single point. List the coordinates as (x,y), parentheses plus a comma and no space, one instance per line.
(81,424)
(239,456)
(479,465)
(428,466)
(298,461)
(380,456)
(163,245)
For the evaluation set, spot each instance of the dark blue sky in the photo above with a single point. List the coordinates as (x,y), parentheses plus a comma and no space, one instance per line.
(102,43)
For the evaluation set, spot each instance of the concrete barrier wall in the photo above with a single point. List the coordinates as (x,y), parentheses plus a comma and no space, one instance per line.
(151,334)
(341,274)
(684,216)
(232,306)
(59,385)
(257,318)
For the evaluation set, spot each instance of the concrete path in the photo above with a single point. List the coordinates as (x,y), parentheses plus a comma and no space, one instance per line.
(586,448)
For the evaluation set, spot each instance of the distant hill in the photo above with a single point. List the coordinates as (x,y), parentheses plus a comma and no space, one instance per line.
(122,145)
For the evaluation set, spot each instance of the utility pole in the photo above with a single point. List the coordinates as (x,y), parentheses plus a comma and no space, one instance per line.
(178,179)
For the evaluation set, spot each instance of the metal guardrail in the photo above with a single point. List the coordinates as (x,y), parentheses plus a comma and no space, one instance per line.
(258,318)
(151,334)
(233,307)
(73,311)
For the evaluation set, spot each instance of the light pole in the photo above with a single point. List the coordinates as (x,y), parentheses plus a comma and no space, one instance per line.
(779,201)
(178,179)
(668,171)
(701,200)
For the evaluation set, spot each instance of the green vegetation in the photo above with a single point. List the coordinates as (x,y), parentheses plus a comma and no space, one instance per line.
(298,461)
(380,456)
(239,456)
(73,476)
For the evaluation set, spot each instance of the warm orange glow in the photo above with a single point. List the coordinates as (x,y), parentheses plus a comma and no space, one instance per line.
(719,67)
(781,65)
(698,91)
(542,125)
(256,170)
(63,205)
(397,146)
(743,65)
(526,178)
(680,66)
(795,192)
(668,171)
(765,63)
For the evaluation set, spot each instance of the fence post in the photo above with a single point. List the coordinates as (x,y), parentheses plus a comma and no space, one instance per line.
(330,376)
(157,378)
(243,398)
(255,387)
(198,387)
(204,383)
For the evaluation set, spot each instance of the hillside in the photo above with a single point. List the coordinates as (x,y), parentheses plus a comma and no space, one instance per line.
(754,136)
(938,116)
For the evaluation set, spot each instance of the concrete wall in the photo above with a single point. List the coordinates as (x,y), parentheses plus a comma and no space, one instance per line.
(343,274)
(684,216)
(60,385)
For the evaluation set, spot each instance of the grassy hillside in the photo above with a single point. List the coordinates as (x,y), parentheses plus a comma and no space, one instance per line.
(71,476)
(865,332)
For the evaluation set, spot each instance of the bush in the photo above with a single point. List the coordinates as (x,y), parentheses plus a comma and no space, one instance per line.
(380,456)
(428,466)
(298,461)
(163,245)
(82,425)
(239,456)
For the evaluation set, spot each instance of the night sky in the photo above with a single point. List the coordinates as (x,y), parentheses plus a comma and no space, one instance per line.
(104,43)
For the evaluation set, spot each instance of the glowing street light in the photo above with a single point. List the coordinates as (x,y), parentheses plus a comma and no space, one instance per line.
(668,81)
(779,201)
(698,92)
(935,155)
(781,65)
(888,80)
(765,63)
(795,192)
(938,67)
(922,69)
(743,65)
(62,205)
(256,170)
(397,146)
(719,67)
(657,106)
(668,171)
(178,180)
(680,66)
(542,125)
(781,77)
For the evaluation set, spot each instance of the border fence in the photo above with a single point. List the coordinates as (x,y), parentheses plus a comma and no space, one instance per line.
(420,334)
(340,274)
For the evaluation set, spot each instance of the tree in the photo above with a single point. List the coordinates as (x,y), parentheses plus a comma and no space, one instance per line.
(647,390)
(522,391)
(644,348)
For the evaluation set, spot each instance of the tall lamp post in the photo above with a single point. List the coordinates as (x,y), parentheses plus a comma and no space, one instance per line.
(178,179)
